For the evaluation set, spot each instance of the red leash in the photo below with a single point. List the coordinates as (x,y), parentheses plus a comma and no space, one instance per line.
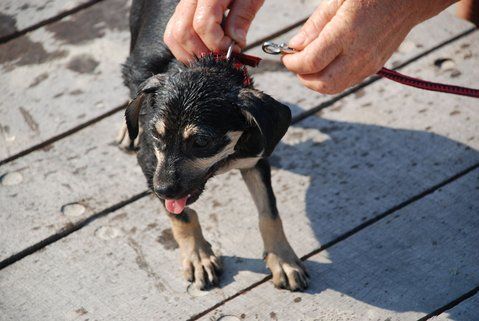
(427,85)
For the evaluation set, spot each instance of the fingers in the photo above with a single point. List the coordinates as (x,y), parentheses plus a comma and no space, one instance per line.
(239,19)
(207,23)
(315,24)
(179,35)
(196,26)
(318,54)
(341,74)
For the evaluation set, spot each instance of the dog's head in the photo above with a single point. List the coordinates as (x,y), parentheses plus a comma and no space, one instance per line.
(197,121)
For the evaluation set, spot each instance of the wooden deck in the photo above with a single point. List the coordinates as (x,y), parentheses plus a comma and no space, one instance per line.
(378,187)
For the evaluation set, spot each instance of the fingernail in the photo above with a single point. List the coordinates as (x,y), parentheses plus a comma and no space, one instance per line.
(239,35)
(297,41)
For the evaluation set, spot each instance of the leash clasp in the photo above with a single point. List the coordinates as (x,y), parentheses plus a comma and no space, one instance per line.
(276,49)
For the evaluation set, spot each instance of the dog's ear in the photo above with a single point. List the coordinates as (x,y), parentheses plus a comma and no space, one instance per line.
(132,112)
(268,120)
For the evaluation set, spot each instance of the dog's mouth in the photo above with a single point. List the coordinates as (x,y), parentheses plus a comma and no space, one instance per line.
(176,206)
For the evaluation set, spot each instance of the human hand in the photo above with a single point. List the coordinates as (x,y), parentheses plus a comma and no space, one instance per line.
(196,26)
(345,41)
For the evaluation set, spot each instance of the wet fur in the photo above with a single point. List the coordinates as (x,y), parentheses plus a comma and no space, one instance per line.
(240,124)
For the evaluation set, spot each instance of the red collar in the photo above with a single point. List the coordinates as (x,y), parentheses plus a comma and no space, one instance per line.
(246,60)
(240,61)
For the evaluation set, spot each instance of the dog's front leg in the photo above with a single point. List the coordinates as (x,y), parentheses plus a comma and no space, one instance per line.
(280,258)
(200,265)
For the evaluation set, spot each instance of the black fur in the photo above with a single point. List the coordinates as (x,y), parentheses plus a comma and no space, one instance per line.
(210,93)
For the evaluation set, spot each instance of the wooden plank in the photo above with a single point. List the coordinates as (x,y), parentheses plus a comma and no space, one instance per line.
(331,175)
(50,70)
(17,15)
(467,310)
(315,173)
(62,75)
(276,15)
(401,268)
(59,186)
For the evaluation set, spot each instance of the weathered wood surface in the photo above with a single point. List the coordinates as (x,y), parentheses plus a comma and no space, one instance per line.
(276,15)
(57,83)
(62,75)
(401,268)
(466,311)
(17,15)
(58,71)
(42,215)
(331,175)
(65,183)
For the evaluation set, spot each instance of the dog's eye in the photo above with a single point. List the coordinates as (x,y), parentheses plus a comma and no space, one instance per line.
(201,141)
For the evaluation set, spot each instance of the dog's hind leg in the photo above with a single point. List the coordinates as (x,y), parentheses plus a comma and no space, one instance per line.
(280,258)
(200,265)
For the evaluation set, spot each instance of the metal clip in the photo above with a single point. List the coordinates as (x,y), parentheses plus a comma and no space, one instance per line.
(229,53)
(276,49)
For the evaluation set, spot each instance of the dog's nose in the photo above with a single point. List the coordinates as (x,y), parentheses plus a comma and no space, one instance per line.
(168,191)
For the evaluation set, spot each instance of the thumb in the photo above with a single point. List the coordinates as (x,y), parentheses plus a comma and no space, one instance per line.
(315,24)
(239,19)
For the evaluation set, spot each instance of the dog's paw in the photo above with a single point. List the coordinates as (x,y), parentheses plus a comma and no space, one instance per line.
(288,272)
(201,266)
(124,142)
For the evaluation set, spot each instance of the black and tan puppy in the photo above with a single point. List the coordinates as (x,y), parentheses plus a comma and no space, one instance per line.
(198,121)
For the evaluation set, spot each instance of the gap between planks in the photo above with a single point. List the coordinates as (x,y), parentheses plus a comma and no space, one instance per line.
(61,15)
(451,304)
(67,133)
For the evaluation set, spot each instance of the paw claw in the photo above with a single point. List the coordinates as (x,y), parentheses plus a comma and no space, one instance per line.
(288,272)
(202,268)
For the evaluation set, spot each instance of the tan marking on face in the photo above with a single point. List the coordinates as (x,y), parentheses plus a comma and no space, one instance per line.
(160,127)
(159,156)
(189,130)
(203,164)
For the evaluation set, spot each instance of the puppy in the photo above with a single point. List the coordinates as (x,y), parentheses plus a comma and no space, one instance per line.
(198,121)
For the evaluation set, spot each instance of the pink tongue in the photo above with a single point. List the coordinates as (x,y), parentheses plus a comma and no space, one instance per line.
(176,206)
